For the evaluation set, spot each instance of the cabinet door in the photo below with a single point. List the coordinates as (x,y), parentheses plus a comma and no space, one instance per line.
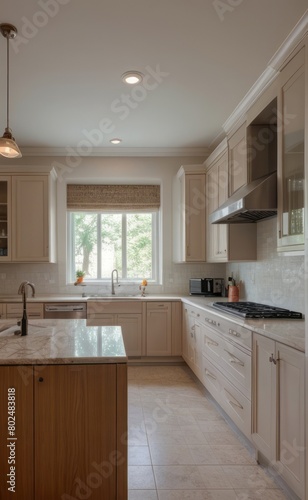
(35,310)
(132,333)
(264,396)
(187,332)
(291,423)
(75,432)
(216,194)
(16,432)
(30,221)
(5,219)
(158,329)
(291,131)
(195,217)
(101,320)
(237,160)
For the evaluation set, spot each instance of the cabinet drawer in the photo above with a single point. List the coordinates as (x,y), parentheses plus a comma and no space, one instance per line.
(34,310)
(228,357)
(154,306)
(113,307)
(233,402)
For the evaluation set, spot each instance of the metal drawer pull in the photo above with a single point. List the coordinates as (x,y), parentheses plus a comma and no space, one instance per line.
(237,404)
(209,374)
(210,321)
(272,359)
(233,332)
(212,342)
(234,359)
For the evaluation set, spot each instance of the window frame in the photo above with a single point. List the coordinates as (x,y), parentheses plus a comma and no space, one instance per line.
(156,257)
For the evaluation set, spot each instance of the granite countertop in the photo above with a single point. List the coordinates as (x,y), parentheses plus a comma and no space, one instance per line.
(61,342)
(289,332)
(79,298)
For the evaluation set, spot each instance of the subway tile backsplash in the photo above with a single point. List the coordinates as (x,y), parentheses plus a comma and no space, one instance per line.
(274,279)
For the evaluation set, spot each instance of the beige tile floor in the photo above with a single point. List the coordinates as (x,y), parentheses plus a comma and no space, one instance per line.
(181,448)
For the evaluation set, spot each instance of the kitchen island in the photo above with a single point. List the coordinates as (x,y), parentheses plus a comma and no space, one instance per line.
(63,417)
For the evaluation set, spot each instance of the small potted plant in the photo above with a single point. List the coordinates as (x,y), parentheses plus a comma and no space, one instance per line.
(142,287)
(79,276)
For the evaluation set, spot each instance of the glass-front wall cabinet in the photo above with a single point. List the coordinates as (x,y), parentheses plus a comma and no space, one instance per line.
(5,213)
(292,132)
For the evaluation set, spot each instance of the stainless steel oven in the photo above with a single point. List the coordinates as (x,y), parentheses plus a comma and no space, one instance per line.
(65,310)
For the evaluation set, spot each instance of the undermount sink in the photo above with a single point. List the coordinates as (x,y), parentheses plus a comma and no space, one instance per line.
(112,297)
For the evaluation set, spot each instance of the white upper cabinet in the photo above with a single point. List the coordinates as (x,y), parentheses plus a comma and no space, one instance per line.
(291,141)
(28,217)
(225,242)
(237,145)
(189,214)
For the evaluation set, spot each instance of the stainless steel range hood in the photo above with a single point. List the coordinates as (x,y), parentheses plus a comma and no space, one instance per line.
(251,203)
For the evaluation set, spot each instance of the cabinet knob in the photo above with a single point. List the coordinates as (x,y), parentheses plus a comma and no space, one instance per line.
(272,359)
(41,379)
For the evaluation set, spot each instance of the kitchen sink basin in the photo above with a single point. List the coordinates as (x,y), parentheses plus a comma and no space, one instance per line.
(112,297)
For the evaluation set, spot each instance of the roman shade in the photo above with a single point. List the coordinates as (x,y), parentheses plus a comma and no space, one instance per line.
(119,197)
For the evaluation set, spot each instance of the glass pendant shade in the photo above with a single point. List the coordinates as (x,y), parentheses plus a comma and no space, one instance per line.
(8,146)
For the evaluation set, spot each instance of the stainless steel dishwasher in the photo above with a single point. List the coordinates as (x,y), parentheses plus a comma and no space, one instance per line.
(65,310)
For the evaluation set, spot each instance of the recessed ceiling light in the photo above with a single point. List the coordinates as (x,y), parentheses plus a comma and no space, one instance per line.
(115,141)
(132,77)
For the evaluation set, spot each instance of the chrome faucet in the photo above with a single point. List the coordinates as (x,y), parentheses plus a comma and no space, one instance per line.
(22,290)
(112,282)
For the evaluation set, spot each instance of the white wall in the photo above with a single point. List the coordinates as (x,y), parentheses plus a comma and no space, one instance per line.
(51,278)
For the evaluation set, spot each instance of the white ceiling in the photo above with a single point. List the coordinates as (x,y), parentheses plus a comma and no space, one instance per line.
(66,75)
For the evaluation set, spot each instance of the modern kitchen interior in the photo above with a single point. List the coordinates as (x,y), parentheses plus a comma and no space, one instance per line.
(153,250)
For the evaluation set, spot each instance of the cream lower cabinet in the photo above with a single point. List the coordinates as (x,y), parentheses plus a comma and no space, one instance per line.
(128,315)
(149,328)
(159,334)
(223,365)
(191,339)
(226,373)
(69,422)
(35,310)
(278,408)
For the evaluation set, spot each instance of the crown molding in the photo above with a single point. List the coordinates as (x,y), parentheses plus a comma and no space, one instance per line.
(118,151)
(220,149)
(270,73)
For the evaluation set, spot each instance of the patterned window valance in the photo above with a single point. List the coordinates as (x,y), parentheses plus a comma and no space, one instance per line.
(94,197)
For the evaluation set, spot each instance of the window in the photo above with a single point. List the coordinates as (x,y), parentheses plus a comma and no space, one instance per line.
(100,242)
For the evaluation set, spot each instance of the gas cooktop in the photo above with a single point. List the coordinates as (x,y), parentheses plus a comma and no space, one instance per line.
(255,310)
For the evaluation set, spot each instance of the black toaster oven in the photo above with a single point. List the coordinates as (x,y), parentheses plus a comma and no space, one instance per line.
(207,286)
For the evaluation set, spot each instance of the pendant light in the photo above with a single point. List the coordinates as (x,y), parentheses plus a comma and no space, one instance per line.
(8,146)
